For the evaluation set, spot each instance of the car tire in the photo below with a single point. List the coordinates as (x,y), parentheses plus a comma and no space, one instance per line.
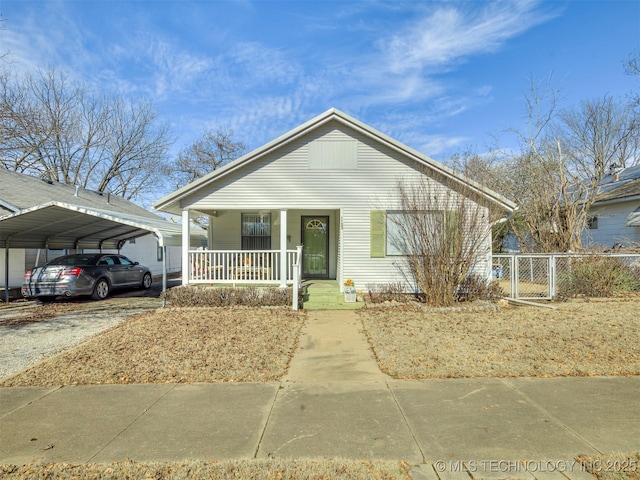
(101,290)
(146,281)
(46,298)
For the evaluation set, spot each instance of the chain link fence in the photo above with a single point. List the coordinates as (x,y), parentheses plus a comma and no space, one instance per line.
(545,276)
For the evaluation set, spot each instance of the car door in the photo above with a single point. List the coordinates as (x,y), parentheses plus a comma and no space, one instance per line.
(114,270)
(133,273)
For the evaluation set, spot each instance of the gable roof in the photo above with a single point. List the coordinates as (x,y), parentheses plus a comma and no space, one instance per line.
(620,185)
(19,191)
(171,202)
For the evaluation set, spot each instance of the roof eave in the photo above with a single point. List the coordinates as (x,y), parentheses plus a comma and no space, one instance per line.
(171,202)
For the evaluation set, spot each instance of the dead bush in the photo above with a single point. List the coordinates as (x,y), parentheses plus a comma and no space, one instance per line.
(598,276)
(196,296)
(474,287)
(387,292)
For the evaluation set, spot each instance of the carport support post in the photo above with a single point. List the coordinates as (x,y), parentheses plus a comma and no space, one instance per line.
(283,248)
(186,234)
(6,274)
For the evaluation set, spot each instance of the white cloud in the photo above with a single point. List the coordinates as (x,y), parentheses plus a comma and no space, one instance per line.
(452,32)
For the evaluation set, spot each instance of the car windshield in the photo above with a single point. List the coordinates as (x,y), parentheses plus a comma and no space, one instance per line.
(72,260)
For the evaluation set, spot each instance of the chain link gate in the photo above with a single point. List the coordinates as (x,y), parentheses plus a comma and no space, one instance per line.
(528,277)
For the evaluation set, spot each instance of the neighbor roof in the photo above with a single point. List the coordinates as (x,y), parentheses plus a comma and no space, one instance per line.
(19,191)
(49,214)
(171,202)
(620,185)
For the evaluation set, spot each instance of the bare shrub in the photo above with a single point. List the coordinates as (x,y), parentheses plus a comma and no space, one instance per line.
(194,296)
(475,287)
(598,276)
(386,292)
(442,230)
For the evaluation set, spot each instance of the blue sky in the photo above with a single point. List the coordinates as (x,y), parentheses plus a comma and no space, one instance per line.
(438,76)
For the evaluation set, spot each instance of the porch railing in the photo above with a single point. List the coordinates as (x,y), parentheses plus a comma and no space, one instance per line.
(241,266)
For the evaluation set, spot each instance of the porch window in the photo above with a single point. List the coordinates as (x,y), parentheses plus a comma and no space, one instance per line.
(256,231)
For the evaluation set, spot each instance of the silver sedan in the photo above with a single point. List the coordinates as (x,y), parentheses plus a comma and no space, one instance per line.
(84,274)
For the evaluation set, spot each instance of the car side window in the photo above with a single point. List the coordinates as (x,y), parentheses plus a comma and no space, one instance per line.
(125,261)
(106,261)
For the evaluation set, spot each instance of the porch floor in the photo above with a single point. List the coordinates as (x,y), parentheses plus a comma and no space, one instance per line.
(325,295)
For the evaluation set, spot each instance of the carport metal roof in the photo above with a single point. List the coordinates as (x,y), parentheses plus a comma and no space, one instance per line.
(59,225)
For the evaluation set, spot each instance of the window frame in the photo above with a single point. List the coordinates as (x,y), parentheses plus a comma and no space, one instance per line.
(262,242)
(391,228)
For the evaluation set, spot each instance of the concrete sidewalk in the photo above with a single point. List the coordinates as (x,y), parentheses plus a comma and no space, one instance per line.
(362,414)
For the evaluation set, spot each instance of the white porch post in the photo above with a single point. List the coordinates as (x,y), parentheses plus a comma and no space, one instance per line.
(283,248)
(186,239)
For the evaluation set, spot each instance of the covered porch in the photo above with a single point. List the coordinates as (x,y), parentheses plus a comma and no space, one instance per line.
(263,246)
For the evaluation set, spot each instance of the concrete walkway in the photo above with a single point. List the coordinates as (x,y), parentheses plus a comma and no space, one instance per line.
(333,348)
(333,403)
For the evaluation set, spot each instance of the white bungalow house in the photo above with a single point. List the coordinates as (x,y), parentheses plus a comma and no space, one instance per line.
(318,191)
(614,216)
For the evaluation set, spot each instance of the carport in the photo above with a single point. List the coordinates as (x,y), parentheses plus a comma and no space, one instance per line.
(56,225)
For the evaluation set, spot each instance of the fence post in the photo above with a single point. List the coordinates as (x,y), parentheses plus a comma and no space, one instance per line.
(295,287)
(552,277)
(516,277)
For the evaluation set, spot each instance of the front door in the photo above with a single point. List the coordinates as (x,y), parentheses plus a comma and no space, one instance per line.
(315,251)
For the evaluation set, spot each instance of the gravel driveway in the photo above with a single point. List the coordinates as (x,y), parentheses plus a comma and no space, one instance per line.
(31,332)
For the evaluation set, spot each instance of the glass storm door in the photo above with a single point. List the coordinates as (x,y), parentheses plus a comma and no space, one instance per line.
(315,251)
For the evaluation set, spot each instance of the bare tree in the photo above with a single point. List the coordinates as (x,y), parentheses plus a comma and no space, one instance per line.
(443,231)
(54,127)
(563,156)
(213,150)
(598,134)
(632,67)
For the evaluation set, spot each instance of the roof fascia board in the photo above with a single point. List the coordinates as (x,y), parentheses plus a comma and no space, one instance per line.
(332,114)
(428,162)
(630,198)
(250,157)
(9,206)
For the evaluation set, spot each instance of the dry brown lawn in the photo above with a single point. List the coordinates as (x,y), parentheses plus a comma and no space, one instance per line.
(190,345)
(280,469)
(617,466)
(578,339)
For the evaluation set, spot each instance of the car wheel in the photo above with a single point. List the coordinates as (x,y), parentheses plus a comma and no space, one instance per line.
(46,299)
(146,281)
(101,290)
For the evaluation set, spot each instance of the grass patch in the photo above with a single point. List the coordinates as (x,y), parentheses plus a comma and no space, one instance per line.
(578,339)
(178,346)
(617,466)
(281,469)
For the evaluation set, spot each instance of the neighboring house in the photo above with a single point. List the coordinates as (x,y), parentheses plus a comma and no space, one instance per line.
(322,185)
(614,216)
(24,194)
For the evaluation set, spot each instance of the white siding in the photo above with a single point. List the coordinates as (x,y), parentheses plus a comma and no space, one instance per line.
(283,179)
(145,251)
(339,154)
(611,229)
(16,266)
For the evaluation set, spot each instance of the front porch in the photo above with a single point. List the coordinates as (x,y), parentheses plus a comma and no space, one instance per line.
(263,267)
(263,247)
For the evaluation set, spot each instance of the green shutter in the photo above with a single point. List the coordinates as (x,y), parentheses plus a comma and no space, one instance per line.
(378,233)
(452,228)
